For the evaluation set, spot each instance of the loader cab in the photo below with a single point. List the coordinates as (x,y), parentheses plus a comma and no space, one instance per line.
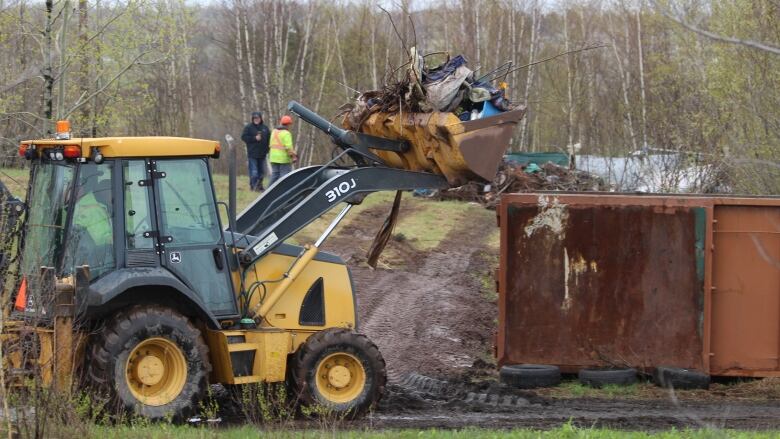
(136,217)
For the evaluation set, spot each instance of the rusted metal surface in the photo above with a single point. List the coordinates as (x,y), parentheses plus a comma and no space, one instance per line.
(746,290)
(586,285)
(443,144)
(640,280)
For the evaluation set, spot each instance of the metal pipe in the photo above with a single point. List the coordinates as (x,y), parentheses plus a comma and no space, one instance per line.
(232,185)
(297,268)
(316,120)
(333,225)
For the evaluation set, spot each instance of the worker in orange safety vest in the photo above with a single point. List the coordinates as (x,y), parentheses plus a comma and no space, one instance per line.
(282,154)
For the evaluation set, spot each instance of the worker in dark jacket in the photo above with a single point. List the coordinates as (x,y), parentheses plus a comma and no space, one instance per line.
(256,136)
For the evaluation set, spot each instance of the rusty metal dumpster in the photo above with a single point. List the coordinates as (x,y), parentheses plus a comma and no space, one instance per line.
(640,280)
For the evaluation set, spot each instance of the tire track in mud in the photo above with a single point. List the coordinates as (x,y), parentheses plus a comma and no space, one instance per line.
(429,317)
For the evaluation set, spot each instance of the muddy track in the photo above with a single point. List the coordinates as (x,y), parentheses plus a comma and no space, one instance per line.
(429,317)
(422,402)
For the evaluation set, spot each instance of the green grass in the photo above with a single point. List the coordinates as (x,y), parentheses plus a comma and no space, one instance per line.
(15,179)
(566,431)
(574,389)
(433,221)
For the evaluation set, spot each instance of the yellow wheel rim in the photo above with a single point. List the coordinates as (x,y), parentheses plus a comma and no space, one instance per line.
(156,371)
(340,378)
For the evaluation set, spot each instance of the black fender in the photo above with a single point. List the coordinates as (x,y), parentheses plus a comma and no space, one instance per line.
(129,286)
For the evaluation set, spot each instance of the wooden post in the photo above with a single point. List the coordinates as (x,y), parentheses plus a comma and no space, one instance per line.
(64,340)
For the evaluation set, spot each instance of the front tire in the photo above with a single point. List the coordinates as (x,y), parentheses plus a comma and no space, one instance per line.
(340,370)
(151,361)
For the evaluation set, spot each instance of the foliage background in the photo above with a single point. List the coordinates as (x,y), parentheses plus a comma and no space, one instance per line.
(182,68)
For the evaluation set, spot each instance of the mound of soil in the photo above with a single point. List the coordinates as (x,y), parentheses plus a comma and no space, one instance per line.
(430,316)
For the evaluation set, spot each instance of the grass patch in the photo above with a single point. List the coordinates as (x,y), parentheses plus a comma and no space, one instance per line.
(15,179)
(434,220)
(762,389)
(486,275)
(244,196)
(575,389)
(494,240)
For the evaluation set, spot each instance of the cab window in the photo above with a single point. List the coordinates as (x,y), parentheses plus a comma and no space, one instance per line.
(91,238)
(186,202)
(138,218)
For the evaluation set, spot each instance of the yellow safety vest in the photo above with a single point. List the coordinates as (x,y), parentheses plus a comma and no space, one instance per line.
(281,146)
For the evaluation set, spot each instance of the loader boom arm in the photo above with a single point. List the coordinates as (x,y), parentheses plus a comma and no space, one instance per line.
(307,193)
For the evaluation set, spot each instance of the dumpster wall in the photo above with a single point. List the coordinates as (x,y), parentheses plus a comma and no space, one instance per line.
(585,284)
(641,281)
(746,290)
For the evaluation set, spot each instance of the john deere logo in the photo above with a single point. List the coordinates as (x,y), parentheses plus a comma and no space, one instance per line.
(175,257)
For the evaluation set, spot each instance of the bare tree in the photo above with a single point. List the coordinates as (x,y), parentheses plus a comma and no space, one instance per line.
(677,18)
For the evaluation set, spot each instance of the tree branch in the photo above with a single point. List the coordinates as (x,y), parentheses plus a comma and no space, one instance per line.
(713,36)
(31,72)
(84,99)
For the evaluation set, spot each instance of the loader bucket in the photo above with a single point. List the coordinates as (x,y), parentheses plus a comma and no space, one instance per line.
(443,144)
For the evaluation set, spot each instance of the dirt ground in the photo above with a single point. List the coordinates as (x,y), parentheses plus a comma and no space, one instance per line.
(430,315)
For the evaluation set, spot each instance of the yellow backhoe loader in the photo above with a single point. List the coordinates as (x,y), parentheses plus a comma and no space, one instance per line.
(130,280)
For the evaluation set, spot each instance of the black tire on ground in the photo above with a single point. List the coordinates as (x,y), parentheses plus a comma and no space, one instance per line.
(326,344)
(678,378)
(530,376)
(603,377)
(108,361)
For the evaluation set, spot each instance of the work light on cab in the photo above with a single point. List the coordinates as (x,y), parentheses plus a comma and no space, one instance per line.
(63,130)
(72,151)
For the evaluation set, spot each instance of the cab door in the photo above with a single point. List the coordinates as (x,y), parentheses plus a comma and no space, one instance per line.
(190,239)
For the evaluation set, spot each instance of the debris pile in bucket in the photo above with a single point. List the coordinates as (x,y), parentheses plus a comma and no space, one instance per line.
(449,87)
(513,177)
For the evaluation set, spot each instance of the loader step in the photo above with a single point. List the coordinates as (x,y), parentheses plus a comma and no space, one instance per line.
(247,379)
(242,347)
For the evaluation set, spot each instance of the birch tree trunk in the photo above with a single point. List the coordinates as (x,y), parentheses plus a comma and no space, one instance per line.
(535,23)
(340,56)
(373,31)
(304,55)
(309,153)
(266,68)
(587,76)
(569,84)
(641,76)
(250,62)
(240,64)
(187,69)
(61,78)
(624,84)
(477,31)
(48,69)
(84,61)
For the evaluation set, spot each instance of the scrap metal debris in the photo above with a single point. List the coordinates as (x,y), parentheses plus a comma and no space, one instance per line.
(448,87)
(513,177)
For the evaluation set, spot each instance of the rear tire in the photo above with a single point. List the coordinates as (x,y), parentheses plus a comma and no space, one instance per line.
(678,378)
(340,370)
(603,377)
(530,376)
(151,361)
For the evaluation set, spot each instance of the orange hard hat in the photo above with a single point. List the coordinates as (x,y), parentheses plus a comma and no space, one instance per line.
(285,120)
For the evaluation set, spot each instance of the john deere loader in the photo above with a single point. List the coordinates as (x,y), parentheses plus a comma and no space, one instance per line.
(132,284)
